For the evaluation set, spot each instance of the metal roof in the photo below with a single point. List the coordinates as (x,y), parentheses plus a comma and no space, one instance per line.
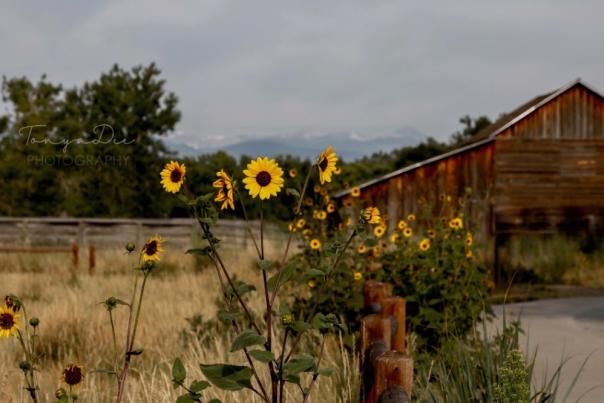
(487,135)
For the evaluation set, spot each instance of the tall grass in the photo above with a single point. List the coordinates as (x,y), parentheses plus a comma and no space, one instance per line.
(74,327)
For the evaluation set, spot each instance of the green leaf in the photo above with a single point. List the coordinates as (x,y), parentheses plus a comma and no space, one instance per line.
(265,265)
(288,273)
(326,372)
(314,273)
(179,373)
(301,326)
(198,386)
(228,377)
(299,363)
(245,339)
(186,398)
(225,316)
(262,355)
(292,192)
(200,251)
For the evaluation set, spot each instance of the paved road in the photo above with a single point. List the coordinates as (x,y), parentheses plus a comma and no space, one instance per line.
(571,327)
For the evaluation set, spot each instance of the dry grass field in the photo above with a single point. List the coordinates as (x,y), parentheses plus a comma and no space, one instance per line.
(75,328)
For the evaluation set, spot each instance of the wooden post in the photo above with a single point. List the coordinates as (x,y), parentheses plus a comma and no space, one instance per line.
(392,369)
(91,259)
(75,254)
(373,328)
(395,307)
(375,292)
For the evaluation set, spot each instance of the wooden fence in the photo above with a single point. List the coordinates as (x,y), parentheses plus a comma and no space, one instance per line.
(387,371)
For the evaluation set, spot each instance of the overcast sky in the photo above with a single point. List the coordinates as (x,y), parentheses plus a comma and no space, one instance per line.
(266,67)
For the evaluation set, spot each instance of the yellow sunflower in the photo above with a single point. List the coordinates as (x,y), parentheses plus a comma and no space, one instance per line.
(469,239)
(153,249)
(224,184)
(293,173)
(372,215)
(407,232)
(8,321)
(424,244)
(331,208)
(379,231)
(316,188)
(469,254)
(337,171)
(315,244)
(431,233)
(361,249)
(347,203)
(411,217)
(357,276)
(355,192)
(321,215)
(291,227)
(402,224)
(301,223)
(307,233)
(308,201)
(263,178)
(394,237)
(311,284)
(456,223)
(173,176)
(327,164)
(73,376)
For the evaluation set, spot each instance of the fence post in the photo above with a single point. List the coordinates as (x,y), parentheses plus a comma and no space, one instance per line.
(392,370)
(91,259)
(395,307)
(75,254)
(375,292)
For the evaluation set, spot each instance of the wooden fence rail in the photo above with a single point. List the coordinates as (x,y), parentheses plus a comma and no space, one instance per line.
(387,371)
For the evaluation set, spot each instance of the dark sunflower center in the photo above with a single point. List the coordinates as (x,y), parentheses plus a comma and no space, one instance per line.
(263,178)
(73,375)
(176,175)
(6,321)
(151,248)
(323,164)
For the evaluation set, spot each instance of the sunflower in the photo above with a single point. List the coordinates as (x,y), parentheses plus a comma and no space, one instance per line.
(307,233)
(315,244)
(424,244)
(301,223)
(311,284)
(469,239)
(331,208)
(152,249)
(347,203)
(456,223)
(372,215)
(376,251)
(73,375)
(384,245)
(293,173)
(431,233)
(379,231)
(355,192)
(402,224)
(357,276)
(224,184)
(469,254)
(173,176)
(407,232)
(326,163)
(394,237)
(8,321)
(461,201)
(316,188)
(411,217)
(321,215)
(263,178)
(361,249)
(337,171)
(308,201)
(291,227)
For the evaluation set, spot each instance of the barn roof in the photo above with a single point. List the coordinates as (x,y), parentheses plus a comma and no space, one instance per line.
(487,134)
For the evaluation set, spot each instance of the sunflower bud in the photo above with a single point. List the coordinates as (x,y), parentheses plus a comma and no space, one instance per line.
(25,366)
(148,266)
(130,246)
(110,303)
(60,393)
(8,301)
(287,319)
(34,322)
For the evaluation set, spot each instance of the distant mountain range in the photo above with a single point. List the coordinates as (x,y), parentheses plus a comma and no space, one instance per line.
(348,145)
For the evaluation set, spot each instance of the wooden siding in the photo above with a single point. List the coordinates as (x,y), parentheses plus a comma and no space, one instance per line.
(454,176)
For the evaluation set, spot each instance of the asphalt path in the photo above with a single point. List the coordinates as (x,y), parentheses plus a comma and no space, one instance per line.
(570,329)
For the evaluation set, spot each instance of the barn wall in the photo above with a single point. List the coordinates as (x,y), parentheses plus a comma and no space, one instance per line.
(471,171)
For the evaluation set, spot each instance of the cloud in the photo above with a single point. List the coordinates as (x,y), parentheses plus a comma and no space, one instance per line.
(270,67)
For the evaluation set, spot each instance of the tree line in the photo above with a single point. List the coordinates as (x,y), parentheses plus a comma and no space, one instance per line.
(96,150)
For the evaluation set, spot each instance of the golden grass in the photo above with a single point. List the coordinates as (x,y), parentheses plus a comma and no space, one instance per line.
(74,327)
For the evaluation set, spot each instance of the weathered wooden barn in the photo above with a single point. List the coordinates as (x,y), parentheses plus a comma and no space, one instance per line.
(537,170)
